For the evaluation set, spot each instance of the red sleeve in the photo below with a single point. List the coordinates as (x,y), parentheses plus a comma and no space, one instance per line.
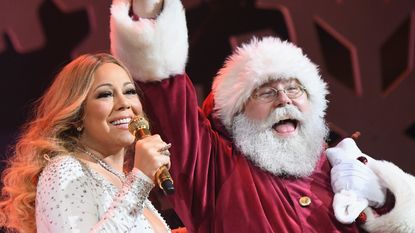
(172,108)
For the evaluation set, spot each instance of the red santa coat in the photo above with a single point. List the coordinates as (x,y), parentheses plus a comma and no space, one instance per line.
(217,188)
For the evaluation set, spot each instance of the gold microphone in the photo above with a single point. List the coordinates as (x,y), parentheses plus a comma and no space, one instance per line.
(139,127)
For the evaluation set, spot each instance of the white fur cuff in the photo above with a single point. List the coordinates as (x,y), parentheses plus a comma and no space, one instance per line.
(401,219)
(151,49)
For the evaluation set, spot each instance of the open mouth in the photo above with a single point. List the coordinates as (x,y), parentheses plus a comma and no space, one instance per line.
(121,121)
(287,126)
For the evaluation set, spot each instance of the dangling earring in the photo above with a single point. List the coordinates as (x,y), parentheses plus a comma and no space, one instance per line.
(79,128)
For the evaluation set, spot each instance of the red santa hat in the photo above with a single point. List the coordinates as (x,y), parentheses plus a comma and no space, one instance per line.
(258,62)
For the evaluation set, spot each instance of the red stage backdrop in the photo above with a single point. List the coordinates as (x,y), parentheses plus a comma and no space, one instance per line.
(365,51)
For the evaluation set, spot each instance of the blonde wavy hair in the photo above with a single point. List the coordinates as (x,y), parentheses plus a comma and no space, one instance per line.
(51,132)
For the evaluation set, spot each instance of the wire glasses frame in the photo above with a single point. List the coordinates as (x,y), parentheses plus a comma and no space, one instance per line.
(269,94)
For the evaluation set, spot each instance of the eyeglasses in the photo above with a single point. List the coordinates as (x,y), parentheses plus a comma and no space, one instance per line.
(269,94)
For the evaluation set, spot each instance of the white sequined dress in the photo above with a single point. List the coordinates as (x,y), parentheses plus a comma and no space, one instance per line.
(74,198)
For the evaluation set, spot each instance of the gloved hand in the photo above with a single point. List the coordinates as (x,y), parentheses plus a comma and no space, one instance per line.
(355,185)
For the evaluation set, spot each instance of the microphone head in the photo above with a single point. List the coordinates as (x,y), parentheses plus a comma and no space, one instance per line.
(139,127)
(168,186)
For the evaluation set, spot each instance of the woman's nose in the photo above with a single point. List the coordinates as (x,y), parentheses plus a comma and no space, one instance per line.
(123,103)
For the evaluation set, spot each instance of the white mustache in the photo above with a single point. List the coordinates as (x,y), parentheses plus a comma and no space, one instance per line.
(287,112)
(283,113)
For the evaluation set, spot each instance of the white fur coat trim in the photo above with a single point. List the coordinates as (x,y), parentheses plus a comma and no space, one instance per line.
(401,219)
(152,49)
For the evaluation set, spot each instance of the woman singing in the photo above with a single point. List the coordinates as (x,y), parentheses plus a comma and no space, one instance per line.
(68,169)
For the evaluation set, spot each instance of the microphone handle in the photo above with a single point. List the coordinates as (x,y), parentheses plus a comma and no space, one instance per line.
(164,180)
(162,175)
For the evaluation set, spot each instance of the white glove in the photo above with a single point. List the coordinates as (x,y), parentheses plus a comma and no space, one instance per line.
(356,176)
(354,183)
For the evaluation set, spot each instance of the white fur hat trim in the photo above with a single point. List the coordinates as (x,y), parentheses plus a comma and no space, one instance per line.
(258,62)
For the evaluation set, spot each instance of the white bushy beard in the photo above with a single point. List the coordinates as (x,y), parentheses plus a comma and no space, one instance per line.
(292,156)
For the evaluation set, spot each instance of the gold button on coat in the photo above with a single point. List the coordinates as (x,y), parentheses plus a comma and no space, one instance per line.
(304,201)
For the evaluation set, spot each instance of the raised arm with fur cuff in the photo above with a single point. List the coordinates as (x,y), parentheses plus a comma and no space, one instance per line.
(145,46)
